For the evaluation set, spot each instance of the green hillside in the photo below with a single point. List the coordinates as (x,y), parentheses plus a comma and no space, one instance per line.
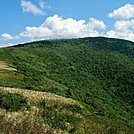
(98,73)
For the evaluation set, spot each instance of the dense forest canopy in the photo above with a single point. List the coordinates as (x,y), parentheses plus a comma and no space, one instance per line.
(98,72)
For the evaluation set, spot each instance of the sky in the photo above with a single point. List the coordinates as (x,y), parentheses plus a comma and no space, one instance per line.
(30,20)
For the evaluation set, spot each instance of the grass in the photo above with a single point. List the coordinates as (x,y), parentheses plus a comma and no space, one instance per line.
(5,66)
(49,113)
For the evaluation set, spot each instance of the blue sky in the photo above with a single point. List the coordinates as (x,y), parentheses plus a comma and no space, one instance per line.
(28,20)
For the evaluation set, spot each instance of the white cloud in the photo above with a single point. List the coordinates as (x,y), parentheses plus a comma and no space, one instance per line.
(57,27)
(124,25)
(42,4)
(116,34)
(122,29)
(28,6)
(6,45)
(124,12)
(96,23)
(6,36)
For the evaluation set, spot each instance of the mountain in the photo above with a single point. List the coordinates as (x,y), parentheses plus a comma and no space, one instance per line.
(95,73)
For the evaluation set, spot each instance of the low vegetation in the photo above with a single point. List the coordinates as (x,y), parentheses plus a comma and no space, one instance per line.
(92,79)
(12,102)
(48,113)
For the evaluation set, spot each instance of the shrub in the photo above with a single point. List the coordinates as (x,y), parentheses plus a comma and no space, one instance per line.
(59,117)
(12,102)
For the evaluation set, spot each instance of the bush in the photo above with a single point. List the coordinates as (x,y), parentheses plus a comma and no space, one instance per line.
(56,118)
(12,102)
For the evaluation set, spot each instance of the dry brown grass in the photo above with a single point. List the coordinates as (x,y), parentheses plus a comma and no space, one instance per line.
(5,66)
(34,96)
(29,120)
(24,122)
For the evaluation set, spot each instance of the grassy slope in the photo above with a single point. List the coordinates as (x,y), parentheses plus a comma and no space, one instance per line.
(50,113)
(95,71)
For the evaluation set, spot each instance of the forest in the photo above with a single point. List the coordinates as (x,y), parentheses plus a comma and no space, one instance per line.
(96,72)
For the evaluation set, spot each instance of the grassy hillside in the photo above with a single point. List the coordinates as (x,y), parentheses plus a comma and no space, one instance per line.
(25,111)
(97,72)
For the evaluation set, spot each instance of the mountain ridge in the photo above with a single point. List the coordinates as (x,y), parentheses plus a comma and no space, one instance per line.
(97,72)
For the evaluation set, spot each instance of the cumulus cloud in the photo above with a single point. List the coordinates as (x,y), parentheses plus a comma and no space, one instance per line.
(28,6)
(6,36)
(124,25)
(116,34)
(123,29)
(94,23)
(124,12)
(57,27)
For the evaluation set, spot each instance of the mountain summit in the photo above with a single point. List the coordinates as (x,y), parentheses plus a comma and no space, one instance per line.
(90,81)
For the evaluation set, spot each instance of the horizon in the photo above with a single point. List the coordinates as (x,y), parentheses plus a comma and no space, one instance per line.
(30,20)
(12,45)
